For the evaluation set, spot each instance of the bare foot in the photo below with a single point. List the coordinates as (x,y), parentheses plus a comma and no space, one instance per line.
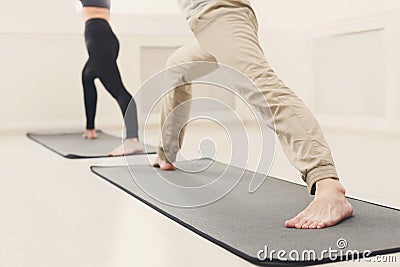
(130,146)
(163,164)
(90,134)
(328,208)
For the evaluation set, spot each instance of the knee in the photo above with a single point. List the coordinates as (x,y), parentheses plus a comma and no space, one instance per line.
(172,61)
(123,97)
(87,72)
(183,92)
(174,74)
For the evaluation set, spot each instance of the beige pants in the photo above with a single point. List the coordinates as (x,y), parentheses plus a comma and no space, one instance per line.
(226,32)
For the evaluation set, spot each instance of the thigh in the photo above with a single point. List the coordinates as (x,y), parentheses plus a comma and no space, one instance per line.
(110,77)
(185,64)
(190,52)
(230,36)
(88,71)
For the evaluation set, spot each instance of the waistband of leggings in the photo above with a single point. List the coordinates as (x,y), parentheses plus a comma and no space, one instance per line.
(96,20)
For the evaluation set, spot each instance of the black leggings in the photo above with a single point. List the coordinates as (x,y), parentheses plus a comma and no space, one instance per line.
(103,49)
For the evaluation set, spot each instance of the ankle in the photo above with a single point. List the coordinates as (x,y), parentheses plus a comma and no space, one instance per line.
(329,185)
(135,140)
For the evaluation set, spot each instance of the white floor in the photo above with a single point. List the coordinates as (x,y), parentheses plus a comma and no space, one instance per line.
(55,212)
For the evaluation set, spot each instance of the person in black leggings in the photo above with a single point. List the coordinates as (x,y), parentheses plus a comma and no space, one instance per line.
(103,49)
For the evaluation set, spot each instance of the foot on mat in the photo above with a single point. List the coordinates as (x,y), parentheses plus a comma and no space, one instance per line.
(328,208)
(90,134)
(163,164)
(130,146)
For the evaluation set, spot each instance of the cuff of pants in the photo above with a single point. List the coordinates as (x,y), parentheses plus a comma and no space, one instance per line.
(318,174)
(161,154)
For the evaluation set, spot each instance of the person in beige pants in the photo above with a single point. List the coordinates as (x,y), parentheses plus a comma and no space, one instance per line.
(226,33)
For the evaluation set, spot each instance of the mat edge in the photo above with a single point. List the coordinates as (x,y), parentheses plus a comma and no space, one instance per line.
(231,249)
(31,136)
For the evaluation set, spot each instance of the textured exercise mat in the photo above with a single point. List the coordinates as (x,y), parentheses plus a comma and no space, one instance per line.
(250,224)
(74,146)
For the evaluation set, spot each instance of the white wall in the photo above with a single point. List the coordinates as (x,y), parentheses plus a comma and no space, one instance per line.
(145,7)
(42,56)
(306,14)
(39,16)
(284,26)
(365,156)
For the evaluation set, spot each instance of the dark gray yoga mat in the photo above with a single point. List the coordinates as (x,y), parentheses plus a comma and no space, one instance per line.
(246,224)
(74,146)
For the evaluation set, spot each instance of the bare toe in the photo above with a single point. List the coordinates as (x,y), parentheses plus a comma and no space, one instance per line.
(307,225)
(292,222)
(313,225)
(321,225)
(303,220)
